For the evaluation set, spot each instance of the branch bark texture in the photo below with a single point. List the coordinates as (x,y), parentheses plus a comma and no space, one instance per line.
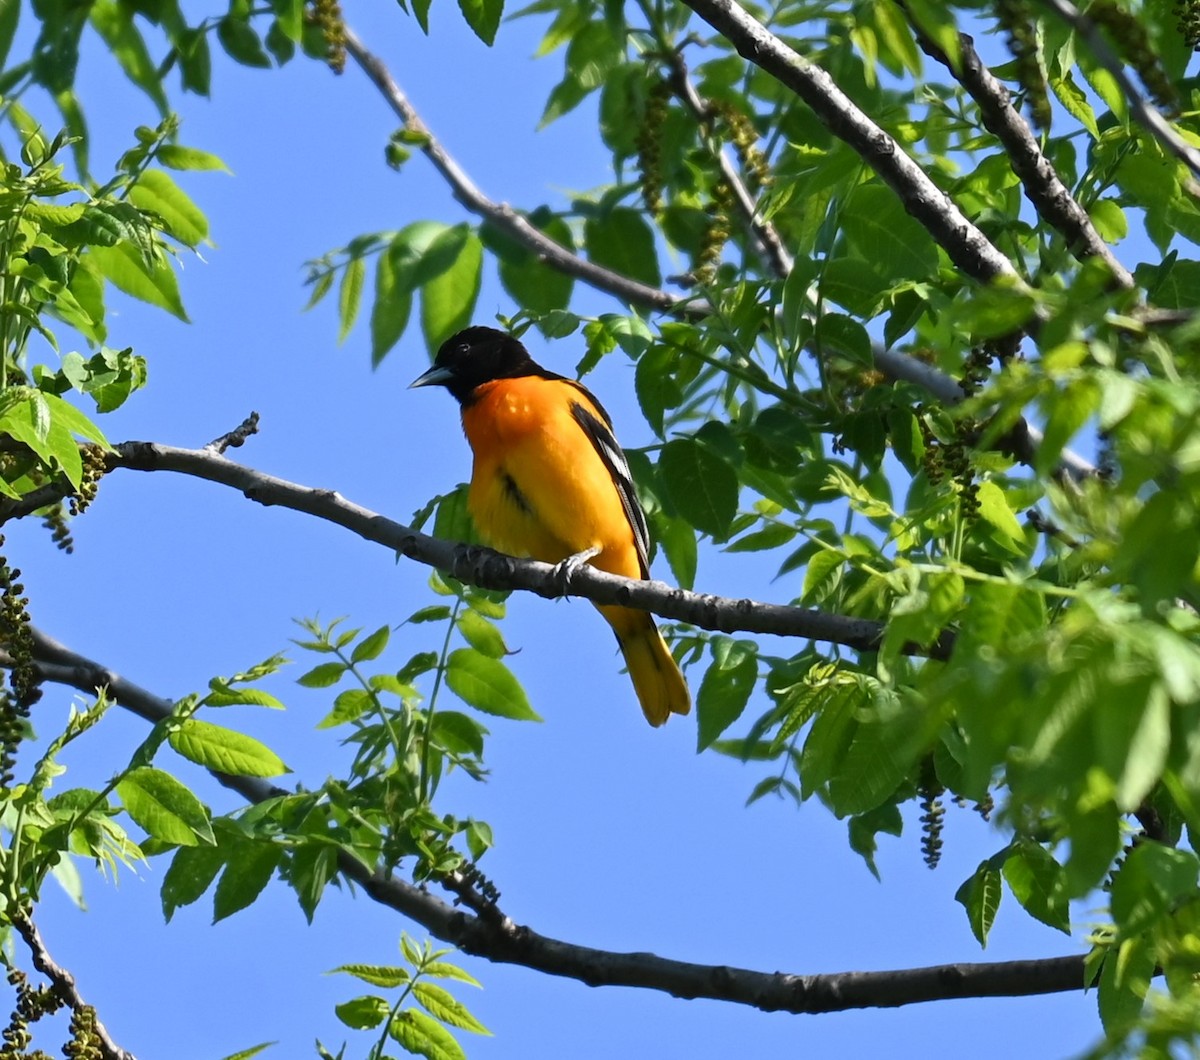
(495,937)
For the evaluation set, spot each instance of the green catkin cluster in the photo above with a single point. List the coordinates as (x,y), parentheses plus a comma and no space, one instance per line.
(744,137)
(23,690)
(1187,14)
(1128,35)
(649,149)
(85,1042)
(32,1004)
(1016,19)
(931,463)
(933,813)
(94,467)
(55,520)
(716,234)
(327,16)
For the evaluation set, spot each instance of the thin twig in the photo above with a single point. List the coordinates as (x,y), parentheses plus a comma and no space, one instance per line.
(237,437)
(65,986)
(779,260)
(1050,196)
(497,938)
(502,215)
(1149,118)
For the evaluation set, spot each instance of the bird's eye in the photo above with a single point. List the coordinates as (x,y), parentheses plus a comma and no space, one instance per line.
(463,347)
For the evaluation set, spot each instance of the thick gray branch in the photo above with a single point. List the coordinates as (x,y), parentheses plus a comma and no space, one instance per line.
(1050,196)
(494,570)
(967,246)
(496,938)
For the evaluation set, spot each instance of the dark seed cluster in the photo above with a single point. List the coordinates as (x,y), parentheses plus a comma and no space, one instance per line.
(24,689)
(1128,35)
(649,149)
(1016,19)
(1187,12)
(94,467)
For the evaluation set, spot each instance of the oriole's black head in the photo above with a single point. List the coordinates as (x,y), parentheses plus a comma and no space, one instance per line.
(476,356)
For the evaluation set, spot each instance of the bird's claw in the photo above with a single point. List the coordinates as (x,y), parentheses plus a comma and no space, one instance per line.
(565,569)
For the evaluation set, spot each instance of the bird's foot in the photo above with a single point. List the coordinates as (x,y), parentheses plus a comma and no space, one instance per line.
(565,570)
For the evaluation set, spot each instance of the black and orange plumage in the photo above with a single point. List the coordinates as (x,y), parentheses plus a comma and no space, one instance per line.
(550,482)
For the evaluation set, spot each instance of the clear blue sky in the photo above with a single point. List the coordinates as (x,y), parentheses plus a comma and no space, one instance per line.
(608,833)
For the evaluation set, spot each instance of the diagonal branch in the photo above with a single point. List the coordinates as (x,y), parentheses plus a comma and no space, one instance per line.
(494,570)
(500,214)
(967,246)
(1050,196)
(498,939)
(1149,118)
(65,986)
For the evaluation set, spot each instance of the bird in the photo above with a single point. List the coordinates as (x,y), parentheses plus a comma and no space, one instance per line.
(549,482)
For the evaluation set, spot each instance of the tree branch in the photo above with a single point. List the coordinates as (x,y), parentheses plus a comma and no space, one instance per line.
(65,986)
(1050,196)
(496,938)
(967,246)
(494,570)
(1149,118)
(502,215)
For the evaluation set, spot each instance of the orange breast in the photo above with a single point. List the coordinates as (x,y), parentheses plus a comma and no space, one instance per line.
(538,487)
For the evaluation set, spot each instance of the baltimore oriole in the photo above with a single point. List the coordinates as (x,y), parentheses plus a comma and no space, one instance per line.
(550,482)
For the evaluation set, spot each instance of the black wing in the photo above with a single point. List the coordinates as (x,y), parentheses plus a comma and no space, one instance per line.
(600,434)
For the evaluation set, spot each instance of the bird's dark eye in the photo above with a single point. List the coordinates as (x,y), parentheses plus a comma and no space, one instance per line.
(463,347)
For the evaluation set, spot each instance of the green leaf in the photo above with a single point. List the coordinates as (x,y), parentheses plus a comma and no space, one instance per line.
(725,689)
(980,896)
(532,282)
(153,282)
(114,22)
(483,16)
(241,42)
(1037,881)
(488,685)
(157,193)
(371,647)
(363,1013)
(421,1034)
(444,970)
(392,306)
(443,1005)
(10,14)
(482,634)
(254,1050)
(248,870)
(350,296)
(165,808)
(864,827)
(190,874)
(896,245)
(387,976)
(174,156)
(1153,879)
(324,675)
(622,241)
(448,300)
(999,520)
(1124,982)
(225,750)
(701,486)
(822,576)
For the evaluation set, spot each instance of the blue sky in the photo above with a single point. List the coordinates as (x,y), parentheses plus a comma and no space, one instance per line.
(608,833)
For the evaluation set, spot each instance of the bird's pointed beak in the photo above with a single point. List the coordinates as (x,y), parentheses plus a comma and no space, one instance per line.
(436,376)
